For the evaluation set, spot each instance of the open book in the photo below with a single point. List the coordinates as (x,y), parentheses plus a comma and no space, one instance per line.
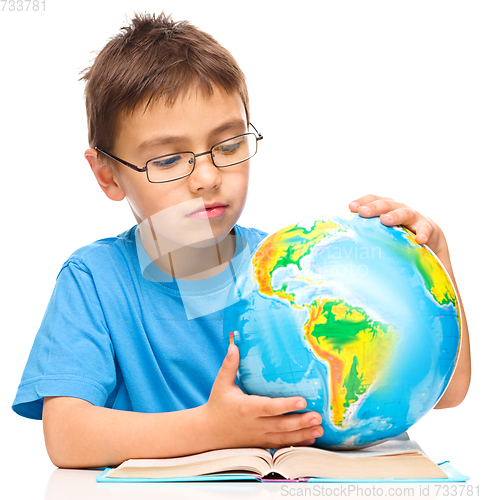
(398,458)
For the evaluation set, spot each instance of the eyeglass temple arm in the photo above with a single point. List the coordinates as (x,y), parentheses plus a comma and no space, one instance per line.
(260,136)
(126,163)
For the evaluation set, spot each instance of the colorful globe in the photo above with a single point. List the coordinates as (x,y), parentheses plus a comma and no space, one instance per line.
(354,316)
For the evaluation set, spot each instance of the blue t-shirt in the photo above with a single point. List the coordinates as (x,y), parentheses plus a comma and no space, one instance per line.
(120,333)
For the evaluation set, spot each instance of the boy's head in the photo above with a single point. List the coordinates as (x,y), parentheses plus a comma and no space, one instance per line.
(154,58)
(163,88)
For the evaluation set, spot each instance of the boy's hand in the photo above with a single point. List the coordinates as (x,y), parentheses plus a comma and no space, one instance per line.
(393,213)
(427,232)
(237,420)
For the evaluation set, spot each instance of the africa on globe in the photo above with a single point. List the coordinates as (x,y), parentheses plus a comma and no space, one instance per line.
(356,317)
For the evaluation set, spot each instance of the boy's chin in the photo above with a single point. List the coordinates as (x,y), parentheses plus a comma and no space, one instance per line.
(210,242)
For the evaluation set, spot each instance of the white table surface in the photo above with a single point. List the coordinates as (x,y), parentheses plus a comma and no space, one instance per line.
(28,473)
(81,485)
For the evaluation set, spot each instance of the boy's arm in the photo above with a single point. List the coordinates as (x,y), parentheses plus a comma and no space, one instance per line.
(427,232)
(79,434)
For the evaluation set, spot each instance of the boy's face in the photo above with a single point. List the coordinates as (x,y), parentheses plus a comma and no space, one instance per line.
(176,209)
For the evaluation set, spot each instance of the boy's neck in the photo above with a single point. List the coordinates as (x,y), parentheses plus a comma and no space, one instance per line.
(188,262)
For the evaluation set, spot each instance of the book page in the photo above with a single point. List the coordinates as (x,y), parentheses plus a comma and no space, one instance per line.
(395,458)
(198,458)
(232,462)
(396,446)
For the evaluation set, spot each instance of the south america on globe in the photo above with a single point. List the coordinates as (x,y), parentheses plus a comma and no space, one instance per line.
(356,317)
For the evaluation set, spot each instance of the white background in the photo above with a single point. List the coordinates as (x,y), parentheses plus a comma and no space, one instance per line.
(353,97)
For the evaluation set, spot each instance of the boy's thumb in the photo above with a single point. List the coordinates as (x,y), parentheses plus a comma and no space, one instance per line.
(229,368)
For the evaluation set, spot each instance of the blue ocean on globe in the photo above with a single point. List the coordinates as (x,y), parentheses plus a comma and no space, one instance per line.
(356,317)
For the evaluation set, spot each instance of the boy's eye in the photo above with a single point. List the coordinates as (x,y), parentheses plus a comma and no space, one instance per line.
(229,148)
(166,162)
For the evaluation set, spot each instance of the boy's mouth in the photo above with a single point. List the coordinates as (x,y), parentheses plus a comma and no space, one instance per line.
(209,211)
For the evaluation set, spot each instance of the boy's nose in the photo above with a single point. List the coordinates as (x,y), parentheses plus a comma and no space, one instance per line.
(205,175)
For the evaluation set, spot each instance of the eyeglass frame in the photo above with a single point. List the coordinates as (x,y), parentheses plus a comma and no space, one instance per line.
(258,137)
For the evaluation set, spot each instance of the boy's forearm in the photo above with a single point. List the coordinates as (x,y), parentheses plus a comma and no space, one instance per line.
(80,435)
(459,384)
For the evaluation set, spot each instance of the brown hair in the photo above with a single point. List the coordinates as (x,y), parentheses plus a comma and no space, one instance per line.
(154,57)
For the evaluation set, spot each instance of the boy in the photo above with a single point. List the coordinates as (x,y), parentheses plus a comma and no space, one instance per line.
(128,361)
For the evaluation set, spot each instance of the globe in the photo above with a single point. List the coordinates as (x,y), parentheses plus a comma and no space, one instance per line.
(356,317)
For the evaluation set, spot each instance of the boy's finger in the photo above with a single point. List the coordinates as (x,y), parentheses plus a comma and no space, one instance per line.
(378,207)
(424,232)
(282,439)
(295,421)
(229,368)
(368,198)
(400,216)
(269,407)
(292,422)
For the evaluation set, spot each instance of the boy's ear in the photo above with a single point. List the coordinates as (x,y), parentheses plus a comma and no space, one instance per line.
(105,176)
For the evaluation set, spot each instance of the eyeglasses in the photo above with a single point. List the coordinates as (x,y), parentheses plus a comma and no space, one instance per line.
(175,166)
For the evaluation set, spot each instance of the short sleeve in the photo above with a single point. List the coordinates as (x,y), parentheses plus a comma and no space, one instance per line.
(72,354)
